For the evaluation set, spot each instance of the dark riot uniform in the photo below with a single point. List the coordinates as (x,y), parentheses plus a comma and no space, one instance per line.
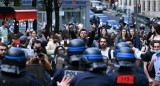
(127,74)
(61,73)
(13,70)
(93,61)
(26,79)
(132,76)
(75,50)
(91,79)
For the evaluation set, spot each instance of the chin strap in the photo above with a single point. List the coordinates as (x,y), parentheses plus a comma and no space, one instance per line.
(11,69)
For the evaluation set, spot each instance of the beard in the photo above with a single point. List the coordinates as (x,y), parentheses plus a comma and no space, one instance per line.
(103,46)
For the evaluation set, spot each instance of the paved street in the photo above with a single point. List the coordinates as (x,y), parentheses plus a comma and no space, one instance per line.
(112,15)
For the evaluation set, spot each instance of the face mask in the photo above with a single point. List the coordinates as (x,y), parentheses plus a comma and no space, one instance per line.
(156,51)
(61,52)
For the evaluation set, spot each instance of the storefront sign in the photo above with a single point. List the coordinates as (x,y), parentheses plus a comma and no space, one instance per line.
(74,3)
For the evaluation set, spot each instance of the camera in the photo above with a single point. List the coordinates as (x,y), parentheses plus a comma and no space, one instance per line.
(38,51)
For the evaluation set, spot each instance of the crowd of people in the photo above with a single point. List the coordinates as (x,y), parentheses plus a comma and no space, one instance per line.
(81,57)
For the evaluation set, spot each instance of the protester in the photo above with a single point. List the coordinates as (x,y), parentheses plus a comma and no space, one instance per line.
(136,40)
(146,61)
(107,52)
(111,39)
(4,31)
(3,51)
(32,38)
(51,46)
(83,35)
(156,33)
(24,41)
(39,56)
(155,62)
(122,36)
(102,32)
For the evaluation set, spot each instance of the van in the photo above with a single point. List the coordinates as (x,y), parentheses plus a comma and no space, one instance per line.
(96,6)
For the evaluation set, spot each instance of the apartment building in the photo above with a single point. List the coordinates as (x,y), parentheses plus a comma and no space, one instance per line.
(150,8)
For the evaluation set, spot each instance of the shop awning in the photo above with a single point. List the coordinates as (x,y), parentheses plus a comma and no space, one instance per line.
(25,15)
(6,12)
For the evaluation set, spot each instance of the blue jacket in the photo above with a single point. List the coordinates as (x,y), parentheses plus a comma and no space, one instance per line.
(35,82)
(57,77)
(91,79)
(139,76)
(136,42)
(13,78)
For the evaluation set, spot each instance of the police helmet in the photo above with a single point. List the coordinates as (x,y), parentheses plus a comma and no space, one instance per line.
(15,56)
(75,50)
(120,45)
(116,50)
(125,57)
(93,60)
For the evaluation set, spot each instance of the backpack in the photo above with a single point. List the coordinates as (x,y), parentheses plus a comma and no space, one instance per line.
(109,53)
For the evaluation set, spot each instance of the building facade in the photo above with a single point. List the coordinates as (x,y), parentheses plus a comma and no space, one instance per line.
(150,8)
(75,11)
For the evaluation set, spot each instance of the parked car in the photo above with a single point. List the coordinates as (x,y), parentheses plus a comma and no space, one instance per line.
(127,20)
(96,6)
(96,15)
(103,19)
(113,26)
(104,6)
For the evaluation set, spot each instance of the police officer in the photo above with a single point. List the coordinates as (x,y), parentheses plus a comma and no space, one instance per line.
(127,74)
(74,52)
(13,71)
(120,45)
(93,61)
(116,50)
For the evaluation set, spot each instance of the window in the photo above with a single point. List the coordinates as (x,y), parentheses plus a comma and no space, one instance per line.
(154,8)
(144,5)
(148,5)
(130,2)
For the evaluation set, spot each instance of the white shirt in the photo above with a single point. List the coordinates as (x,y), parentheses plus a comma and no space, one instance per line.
(105,54)
(137,53)
(80,26)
